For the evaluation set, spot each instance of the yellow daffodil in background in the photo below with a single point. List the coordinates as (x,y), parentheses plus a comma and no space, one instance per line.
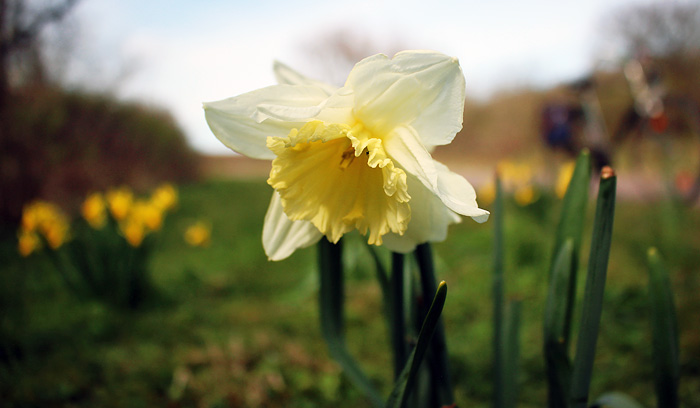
(165,197)
(525,195)
(144,216)
(518,178)
(487,193)
(147,213)
(198,234)
(45,219)
(134,231)
(94,210)
(565,173)
(119,202)
(355,157)
(28,242)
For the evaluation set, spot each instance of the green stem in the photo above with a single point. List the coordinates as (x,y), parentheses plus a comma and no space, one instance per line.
(331,303)
(398,313)
(498,260)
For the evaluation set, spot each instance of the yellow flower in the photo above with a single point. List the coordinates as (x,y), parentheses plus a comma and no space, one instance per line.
(148,214)
(564,178)
(198,234)
(356,157)
(487,193)
(525,195)
(56,232)
(518,179)
(48,220)
(119,202)
(94,210)
(28,242)
(134,231)
(165,197)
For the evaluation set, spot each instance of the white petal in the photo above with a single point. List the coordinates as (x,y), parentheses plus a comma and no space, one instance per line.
(404,146)
(429,220)
(281,236)
(244,122)
(286,75)
(423,89)
(457,194)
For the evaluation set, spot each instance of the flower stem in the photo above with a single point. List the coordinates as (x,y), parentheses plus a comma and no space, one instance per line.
(398,313)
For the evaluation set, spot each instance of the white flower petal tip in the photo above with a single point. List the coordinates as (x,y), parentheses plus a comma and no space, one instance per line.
(481,218)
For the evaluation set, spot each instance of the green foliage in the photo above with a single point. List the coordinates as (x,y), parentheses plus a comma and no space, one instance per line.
(562,283)
(233,329)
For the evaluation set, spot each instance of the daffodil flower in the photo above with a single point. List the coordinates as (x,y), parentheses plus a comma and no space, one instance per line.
(355,157)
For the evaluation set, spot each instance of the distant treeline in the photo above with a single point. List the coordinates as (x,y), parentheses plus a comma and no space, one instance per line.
(59,145)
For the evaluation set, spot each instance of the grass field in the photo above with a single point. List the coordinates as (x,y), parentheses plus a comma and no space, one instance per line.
(230,329)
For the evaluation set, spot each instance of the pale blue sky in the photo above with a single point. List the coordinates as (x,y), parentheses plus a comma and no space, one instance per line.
(180,53)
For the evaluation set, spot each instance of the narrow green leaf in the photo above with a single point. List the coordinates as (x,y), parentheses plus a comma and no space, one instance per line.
(616,400)
(571,223)
(331,305)
(405,381)
(664,330)
(439,361)
(556,352)
(498,298)
(595,285)
(511,354)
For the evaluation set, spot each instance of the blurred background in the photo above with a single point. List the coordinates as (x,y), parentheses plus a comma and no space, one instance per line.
(100,94)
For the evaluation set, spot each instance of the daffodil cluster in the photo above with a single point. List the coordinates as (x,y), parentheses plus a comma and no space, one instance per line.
(136,217)
(355,157)
(107,256)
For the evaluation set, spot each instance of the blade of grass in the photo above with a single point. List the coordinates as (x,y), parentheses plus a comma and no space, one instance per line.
(331,299)
(664,330)
(555,351)
(595,286)
(405,381)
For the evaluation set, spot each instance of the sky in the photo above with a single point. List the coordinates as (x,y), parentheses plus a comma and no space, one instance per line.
(176,54)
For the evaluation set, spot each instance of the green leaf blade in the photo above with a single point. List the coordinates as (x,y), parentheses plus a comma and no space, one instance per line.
(404,383)
(595,285)
(664,329)
(556,353)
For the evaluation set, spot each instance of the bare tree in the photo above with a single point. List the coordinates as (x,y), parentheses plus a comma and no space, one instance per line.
(21,24)
(336,52)
(661,29)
